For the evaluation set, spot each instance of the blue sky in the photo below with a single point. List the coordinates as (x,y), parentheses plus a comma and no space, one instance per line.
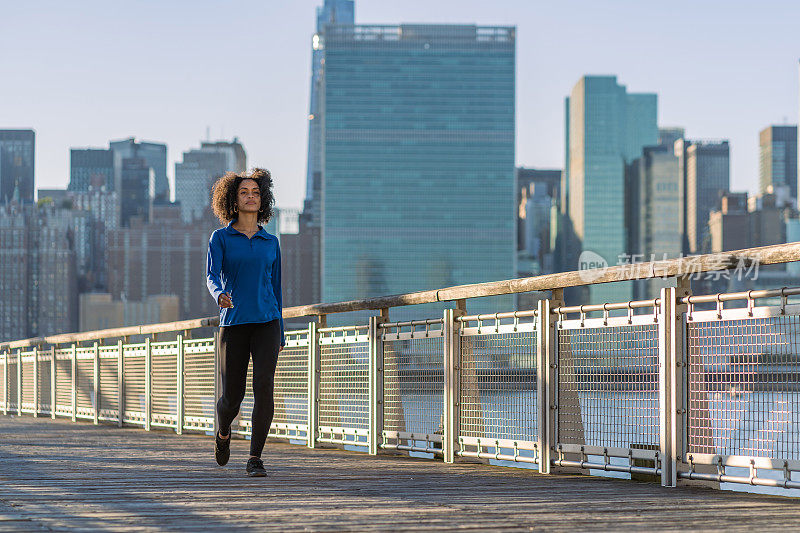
(84,72)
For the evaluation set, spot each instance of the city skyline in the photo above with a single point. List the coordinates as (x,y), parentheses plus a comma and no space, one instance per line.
(207,80)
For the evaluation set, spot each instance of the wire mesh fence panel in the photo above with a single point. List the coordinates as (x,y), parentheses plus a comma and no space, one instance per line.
(198,383)
(84,374)
(291,391)
(344,387)
(27,382)
(64,382)
(133,383)
(744,387)
(43,383)
(164,383)
(413,385)
(498,385)
(12,383)
(608,386)
(109,383)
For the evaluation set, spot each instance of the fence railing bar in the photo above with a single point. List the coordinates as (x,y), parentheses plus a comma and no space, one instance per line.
(497,316)
(745,295)
(410,323)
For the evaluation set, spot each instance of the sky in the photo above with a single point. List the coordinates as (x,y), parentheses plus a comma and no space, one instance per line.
(83,73)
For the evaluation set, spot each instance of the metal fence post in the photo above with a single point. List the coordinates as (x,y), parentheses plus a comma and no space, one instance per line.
(452,383)
(96,380)
(179,388)
(120,383)
(53,387)
(375,382)
(544,359)
(680,367)
(35,382)
(74,381)
(148,382)
(19,381)
(550,360)
(668,330)
(5,382)
(217,383)
(313,383)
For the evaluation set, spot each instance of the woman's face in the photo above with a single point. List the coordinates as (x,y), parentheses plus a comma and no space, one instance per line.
(248,197)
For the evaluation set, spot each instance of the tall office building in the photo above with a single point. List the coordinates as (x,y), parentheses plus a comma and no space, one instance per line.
(705,173)
(91,167)
(777,163)
(767,220)
(418,176)
(655,207)
(195,175)
(668,136)
(729,226)
(104,208)
(332,12)
(538,192)
(155,157)
(135,181)
(17,150)
(38,276)
(300,267)
(655,204)
(162,258)
(606,128)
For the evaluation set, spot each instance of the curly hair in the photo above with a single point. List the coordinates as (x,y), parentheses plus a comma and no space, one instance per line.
(225,191)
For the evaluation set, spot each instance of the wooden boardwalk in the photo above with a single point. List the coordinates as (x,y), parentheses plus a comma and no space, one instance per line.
(57,475)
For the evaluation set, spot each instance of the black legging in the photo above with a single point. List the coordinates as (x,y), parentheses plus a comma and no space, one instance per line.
(236,343)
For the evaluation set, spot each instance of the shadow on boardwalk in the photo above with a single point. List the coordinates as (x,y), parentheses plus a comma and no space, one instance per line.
(59,475)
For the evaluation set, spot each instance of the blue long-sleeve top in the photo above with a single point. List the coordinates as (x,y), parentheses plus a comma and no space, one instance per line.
(249,271)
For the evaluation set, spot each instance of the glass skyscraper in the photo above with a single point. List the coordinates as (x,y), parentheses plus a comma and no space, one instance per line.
(154,154)
(778,161)
(606,128)
(706,175)
(332,12)
(198,171)
(17,150)
(418,159)
(91,167)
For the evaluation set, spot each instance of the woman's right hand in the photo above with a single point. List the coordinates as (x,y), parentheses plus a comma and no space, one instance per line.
(225,300)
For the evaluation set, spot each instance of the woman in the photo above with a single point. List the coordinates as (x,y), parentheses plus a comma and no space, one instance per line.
(244,277)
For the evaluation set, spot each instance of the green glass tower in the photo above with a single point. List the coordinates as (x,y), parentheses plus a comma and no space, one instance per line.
(606,128)
(418,158)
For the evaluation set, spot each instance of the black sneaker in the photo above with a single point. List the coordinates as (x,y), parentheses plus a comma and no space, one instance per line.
(255,468)
(222,449)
